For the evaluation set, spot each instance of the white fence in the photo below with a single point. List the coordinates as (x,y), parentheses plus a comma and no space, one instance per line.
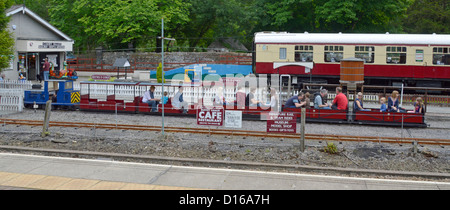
(12,94)
(190,94)
(16,84)
(11,101)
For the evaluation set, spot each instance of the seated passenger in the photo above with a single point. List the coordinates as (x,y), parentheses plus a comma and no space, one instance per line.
(318,100)
(393,102)
(219,99)
(274,98)
(418,106)
(240,98)
(358,104)
(383,107)
(165,98)
(149,98)
(341,101)
(295,101)
(178,102)
(250,100)
(307,100)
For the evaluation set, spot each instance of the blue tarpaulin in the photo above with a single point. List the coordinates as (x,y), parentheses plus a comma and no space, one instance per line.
(210,71)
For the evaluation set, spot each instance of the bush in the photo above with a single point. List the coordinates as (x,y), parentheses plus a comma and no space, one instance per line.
(331,148)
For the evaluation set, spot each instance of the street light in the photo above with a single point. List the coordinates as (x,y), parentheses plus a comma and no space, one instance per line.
(162,67)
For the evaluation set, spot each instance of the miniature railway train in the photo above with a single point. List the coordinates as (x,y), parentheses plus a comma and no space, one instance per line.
(416,60)
(111,99)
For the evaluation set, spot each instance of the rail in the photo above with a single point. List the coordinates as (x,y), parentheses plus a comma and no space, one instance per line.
(228,132)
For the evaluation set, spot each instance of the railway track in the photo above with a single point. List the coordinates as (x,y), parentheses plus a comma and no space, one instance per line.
(229,132)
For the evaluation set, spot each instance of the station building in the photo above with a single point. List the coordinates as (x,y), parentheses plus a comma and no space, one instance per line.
(35,39)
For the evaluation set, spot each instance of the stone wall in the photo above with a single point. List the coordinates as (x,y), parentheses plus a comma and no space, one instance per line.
(172,59)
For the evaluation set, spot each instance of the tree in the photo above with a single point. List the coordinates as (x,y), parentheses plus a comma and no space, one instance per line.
(6,40)
(210,20)
(331,15)
(37,6)
(116,24)
(361,15)
(427,17)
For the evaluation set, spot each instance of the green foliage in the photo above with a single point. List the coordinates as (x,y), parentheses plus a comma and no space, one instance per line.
(331,148)
(115,24)
(6,40)
(428,16)
(332,15)
(197,23)
(160,74)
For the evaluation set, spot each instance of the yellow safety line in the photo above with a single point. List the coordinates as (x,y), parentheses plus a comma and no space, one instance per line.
(44,182)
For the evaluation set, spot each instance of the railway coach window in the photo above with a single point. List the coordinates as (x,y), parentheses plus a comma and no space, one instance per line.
(367,53)
(334,53)
(396,55)
(304,53)
(282,53)
(441,56)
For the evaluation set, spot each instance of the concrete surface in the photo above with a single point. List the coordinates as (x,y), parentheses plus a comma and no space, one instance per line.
(19,171)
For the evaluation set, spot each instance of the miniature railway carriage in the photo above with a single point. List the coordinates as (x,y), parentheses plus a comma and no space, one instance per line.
(415,59)
(127,97)
(373,117)
(109,96)
(61,93)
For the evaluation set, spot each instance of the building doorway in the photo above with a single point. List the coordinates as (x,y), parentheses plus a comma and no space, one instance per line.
(33,66)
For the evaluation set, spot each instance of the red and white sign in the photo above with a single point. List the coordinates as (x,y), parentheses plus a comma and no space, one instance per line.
(283,122)
(212,116)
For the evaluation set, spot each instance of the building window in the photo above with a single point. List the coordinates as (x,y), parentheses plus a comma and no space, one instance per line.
(441,56)
(282,53)
(334,53)
(304,53)
(396,55)
(367,53)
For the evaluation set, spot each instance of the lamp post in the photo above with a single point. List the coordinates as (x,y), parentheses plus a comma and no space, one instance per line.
(162,67)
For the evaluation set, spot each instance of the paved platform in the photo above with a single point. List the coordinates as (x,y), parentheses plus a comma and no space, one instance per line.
(19,171)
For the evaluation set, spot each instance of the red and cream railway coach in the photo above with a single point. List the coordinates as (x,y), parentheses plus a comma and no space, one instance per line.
(415,59)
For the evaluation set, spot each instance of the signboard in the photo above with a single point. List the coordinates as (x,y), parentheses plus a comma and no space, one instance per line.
(233,119)
(283,122)
(44,46)
(419,55)
(212,116)
(101,77)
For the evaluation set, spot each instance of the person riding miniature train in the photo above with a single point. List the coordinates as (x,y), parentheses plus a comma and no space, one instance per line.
(296,101)
(318,100)
(340,102)
(358,103)
(149,98)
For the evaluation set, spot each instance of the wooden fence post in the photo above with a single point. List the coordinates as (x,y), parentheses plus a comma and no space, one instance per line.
(48,109)
(302,130)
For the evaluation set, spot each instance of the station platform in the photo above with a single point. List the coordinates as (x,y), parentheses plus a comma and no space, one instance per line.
(18,171)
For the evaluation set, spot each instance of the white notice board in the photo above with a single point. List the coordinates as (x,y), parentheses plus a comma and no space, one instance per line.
(233,119)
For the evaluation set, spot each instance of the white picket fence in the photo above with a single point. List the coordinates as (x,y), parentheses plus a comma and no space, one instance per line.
(11,101)
(16,84)
(12,94)
(190,94)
